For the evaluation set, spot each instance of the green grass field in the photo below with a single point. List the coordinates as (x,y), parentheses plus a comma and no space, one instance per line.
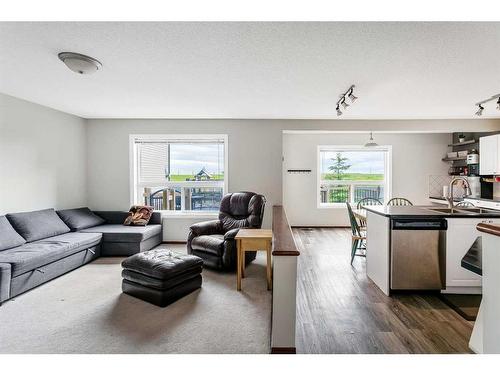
(184,177)
(354,176)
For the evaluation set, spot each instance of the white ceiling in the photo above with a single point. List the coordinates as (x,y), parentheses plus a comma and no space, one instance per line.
(255,70)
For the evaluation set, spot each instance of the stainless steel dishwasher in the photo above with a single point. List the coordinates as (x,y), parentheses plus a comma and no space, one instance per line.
(418,253)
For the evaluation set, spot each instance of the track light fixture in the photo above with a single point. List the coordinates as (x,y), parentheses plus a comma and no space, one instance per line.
(480,110)
(343,99)
(351,95)
(339,112)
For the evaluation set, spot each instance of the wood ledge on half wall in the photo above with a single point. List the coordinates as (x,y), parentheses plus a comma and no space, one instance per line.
(489,228)
(283,241)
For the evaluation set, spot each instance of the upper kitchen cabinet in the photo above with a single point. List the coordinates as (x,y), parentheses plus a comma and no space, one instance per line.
(489,155)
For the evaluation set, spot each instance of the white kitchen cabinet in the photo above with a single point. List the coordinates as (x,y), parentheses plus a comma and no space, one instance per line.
(489,155)
(460,236)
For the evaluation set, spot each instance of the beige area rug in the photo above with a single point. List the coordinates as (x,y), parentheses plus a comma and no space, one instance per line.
(84,311)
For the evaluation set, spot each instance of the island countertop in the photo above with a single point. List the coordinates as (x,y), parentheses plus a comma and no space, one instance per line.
(425,211)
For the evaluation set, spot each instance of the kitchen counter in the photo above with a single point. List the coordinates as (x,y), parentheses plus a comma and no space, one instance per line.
(425,211)
(457,238)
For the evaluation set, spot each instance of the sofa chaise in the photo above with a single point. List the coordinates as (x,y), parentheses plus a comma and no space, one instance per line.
(38,246)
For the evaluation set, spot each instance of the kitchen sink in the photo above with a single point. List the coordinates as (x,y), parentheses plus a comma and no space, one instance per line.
(446,210)
(478,210)
(464,210)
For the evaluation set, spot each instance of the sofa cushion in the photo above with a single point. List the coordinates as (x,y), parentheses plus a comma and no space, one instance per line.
(32,255)
(80,218)
(213,244)
(37,225)
(122,233)
(9,238)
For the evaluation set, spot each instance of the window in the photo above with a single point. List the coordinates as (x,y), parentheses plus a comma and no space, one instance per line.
(351,173)
(179,173)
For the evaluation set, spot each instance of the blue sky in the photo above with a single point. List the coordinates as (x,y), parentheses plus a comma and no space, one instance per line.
(191,158)
(360,161)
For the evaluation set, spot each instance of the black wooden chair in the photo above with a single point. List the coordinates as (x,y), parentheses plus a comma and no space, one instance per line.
(368,202)
(399,202)
(358,237)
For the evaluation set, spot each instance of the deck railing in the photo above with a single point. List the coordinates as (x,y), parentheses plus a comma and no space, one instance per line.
(342,191)
(183,195)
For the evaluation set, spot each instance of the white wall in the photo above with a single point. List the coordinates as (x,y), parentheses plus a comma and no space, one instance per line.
(255,150)
(42,157)
(414,158)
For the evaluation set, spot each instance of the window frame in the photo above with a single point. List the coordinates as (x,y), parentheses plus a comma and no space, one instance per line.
(175,137)
(344,148)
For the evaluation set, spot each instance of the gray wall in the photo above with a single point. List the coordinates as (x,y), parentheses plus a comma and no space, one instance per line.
(414,158)
(255,150)
(42,157)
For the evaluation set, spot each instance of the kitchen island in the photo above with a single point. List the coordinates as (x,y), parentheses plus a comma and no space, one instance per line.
(428,256)
(486,333)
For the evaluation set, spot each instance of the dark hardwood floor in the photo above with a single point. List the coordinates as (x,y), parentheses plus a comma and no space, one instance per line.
(339,310)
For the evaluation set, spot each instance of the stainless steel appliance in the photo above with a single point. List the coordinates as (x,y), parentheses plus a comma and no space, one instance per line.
(418,253)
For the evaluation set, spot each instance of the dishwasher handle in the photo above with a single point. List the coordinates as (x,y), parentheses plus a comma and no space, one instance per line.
(419,224)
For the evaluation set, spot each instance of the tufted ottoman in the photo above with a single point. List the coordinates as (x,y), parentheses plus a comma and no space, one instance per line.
(161,276)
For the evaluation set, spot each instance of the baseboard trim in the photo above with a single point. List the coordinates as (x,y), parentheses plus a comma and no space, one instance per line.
(290,350)
(318,226)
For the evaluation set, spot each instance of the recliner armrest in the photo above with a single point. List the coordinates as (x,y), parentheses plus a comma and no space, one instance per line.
(230,234)
(206,228)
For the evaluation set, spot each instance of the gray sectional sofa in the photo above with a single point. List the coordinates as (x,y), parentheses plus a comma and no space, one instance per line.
(38,246)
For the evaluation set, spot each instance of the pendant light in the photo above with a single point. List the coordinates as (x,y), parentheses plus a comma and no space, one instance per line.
(371,142)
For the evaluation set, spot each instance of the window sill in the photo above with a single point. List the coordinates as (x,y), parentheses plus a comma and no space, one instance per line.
(189,215)
(333,205)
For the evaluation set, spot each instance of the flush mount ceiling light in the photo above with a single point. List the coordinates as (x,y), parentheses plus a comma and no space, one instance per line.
(342,101)
(371,142)
(79,63)
(480,110)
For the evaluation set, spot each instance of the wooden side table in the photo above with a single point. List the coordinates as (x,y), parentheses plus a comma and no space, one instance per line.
(253,240)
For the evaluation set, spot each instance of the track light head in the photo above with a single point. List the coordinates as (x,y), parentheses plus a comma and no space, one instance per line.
(480,110)
(352,97)
(339,112)
(344,103)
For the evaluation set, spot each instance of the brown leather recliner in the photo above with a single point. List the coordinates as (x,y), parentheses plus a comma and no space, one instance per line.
(214,242)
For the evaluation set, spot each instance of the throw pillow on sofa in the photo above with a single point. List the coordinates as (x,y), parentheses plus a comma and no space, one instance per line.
(139,215)
(37,225)
(80,218)
(9,238)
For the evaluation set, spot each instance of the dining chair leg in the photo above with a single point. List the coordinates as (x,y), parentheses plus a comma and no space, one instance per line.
(354,247)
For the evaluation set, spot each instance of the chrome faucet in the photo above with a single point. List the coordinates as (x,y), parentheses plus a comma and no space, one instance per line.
(468,192)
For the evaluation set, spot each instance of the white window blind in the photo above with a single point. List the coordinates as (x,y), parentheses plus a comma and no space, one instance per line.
(152,162)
